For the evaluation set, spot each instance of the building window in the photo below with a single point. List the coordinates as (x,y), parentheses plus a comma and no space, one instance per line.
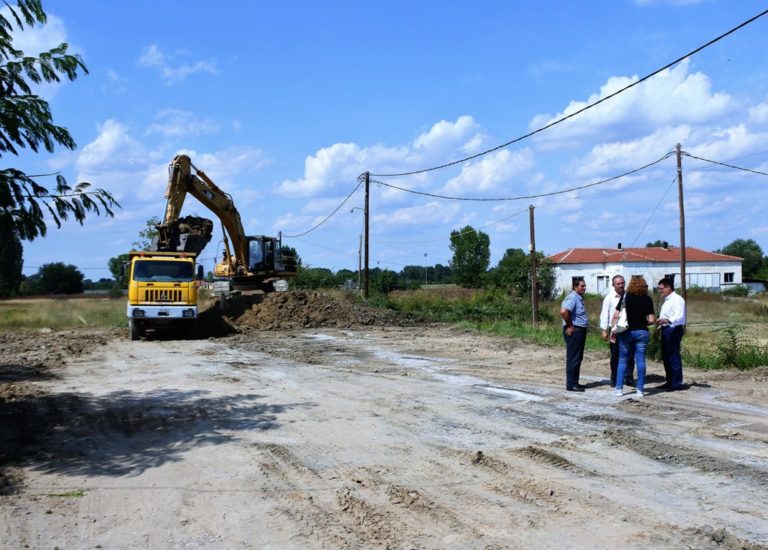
(603,284)
(727,277)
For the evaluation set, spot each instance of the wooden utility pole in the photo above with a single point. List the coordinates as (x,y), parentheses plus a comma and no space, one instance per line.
(534,282)
(683,286)
(365,215)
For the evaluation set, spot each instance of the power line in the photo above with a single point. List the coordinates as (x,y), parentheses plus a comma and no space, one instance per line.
(324,247)
(726,164)
(327,217)
(585,108)
(661,200)
(522,197)
(460,233)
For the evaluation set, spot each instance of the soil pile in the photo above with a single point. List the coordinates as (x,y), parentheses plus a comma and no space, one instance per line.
(306,309)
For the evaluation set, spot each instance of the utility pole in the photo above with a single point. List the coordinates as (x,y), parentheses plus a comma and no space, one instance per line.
(683,285)
(359,263)
(366,216)
(534,282)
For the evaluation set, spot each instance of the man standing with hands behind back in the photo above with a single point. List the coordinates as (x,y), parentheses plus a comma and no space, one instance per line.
(672,323)
(575,324)
(610,302)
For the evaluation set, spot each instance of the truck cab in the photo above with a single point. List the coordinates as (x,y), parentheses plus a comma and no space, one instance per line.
(162,290)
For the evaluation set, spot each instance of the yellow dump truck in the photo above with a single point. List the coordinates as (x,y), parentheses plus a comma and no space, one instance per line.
(162,290)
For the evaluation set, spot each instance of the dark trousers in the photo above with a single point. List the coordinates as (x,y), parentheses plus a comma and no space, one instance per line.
(574,353)
(615,366)
(670,354)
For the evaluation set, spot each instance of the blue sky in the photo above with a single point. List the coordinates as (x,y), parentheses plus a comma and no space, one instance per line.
(284,104)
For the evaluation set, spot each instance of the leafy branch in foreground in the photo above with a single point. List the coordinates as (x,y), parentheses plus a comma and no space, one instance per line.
(26,122)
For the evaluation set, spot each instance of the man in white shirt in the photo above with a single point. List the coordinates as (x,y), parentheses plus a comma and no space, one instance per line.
(610,302)
(672,323)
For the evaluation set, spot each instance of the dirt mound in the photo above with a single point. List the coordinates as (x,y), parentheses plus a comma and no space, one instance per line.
(304,309)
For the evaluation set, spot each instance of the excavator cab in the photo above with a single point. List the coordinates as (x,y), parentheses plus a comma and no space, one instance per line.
(266,254)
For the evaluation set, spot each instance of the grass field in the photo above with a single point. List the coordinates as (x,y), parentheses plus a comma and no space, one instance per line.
(60,313)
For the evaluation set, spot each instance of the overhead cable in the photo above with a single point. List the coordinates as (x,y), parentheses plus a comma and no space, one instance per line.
(460,233)
(327,217)
(585,108)
(758,172)
(661,200)
(521,197)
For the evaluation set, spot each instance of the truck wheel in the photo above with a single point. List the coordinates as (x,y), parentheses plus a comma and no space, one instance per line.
(133,329)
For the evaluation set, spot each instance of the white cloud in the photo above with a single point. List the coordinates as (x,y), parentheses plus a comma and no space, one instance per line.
(759,113)
(342,163)
(40,38)
(426,214)
(178,123)
(489,172)
(123,165)
(673,97)
(171,70)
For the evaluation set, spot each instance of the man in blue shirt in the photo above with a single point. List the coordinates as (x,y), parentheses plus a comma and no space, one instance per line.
(575,324)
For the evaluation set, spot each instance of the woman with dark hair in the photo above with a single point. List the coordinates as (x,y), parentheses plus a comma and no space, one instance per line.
(634,340)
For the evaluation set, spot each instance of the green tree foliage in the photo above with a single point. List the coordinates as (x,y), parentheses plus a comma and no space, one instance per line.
(147,235)
(119,273)
(513,273)
(11,254)
(313,277)
(59,278)
(385,281)
(754,261)
(26,122)
(471,256)
(657,243)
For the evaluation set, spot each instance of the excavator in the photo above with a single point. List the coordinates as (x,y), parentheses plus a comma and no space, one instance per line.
(253,262)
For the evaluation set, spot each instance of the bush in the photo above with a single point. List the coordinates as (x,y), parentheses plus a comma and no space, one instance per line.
(739,291)
(732,349)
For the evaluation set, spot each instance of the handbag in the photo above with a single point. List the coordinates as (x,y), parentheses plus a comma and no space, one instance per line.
(619,322)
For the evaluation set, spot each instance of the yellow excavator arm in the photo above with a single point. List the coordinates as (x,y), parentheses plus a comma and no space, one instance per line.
(251,261)
(182,180)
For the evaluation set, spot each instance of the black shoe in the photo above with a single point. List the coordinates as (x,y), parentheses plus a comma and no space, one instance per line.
(665,386)
(582,386)
(575,388)
(630,383)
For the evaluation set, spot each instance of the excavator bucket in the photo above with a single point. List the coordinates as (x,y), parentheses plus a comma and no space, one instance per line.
(188,234)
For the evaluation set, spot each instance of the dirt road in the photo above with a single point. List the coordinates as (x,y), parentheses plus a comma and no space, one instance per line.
(408,437)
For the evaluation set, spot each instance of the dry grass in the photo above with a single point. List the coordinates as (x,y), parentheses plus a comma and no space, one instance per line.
(61,313)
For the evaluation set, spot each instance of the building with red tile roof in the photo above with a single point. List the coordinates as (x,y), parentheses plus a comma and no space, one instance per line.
(708,270)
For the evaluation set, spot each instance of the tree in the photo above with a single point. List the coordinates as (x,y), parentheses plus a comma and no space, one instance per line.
(11,254)
(513,273)
(657,243)
(58,278)
(471,256)
(26,122)
(118,271)
(147,235)
(748,249)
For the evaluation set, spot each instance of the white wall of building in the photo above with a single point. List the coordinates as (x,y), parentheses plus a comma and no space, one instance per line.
(711,276)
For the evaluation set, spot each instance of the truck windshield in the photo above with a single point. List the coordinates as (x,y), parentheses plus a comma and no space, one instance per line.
(150,270)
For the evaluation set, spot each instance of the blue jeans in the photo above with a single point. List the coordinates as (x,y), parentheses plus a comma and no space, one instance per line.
(670,353)
(632,343)
(574,353)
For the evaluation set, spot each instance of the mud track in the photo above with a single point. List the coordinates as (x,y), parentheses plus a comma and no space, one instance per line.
(367,437)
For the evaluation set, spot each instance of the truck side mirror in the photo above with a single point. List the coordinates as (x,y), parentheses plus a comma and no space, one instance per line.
(200,272)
